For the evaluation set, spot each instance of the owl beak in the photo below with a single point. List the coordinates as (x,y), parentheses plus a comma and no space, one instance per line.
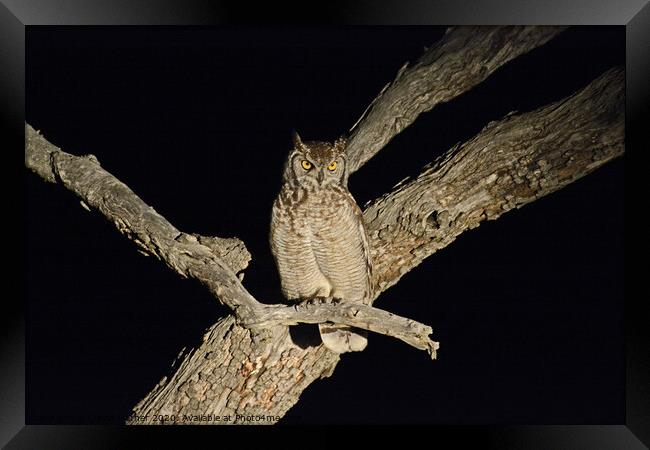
(321,176)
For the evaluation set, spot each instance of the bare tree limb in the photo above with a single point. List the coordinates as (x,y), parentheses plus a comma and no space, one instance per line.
(353,314)
(510,163)
(151,232)
(463,58)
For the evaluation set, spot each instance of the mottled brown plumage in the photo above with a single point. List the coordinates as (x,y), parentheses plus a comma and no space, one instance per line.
(318,237)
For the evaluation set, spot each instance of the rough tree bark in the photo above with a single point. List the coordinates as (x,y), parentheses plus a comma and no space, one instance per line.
(248,367)
(463,58)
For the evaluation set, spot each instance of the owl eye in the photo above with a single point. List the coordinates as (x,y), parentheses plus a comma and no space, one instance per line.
(332,166)
(305,164)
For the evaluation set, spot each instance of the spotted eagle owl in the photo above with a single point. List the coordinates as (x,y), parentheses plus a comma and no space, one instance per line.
(318,237)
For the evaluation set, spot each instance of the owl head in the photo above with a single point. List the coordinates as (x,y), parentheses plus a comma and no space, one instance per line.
(315,163)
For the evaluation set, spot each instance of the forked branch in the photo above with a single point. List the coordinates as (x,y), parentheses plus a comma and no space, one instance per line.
(248,363)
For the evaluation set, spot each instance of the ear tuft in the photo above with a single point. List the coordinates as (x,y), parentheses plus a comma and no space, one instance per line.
(295,137)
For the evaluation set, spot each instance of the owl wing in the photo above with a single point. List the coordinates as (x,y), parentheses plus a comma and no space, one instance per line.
(340,245)
(365,242)
(291,245)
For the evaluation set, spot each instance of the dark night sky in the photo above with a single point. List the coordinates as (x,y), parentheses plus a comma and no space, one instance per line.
(528,309)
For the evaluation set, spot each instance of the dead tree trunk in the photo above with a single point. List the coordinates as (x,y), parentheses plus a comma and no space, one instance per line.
(248,369)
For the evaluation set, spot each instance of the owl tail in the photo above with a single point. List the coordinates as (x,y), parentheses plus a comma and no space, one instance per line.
(342,339)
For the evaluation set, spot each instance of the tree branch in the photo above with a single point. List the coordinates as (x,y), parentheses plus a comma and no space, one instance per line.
(353,314)
(463,58)
(510,163)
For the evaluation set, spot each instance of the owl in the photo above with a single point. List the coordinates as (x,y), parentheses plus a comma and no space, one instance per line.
(318,237)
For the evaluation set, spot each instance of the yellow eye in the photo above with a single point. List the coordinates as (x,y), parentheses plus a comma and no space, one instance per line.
(306,164)
(332,166)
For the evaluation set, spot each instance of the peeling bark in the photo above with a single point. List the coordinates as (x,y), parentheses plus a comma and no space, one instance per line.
(237,376)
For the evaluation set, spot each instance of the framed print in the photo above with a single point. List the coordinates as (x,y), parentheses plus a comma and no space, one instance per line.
(372,221)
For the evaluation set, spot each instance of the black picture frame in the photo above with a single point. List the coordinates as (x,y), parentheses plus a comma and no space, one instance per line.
(15,16)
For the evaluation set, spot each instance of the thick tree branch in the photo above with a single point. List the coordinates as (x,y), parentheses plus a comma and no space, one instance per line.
(463,58)
(510,163)
(213,261)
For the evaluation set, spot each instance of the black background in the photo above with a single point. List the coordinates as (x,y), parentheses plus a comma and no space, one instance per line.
(528,309)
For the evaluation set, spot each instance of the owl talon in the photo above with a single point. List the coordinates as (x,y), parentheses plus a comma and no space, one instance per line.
(325,300)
